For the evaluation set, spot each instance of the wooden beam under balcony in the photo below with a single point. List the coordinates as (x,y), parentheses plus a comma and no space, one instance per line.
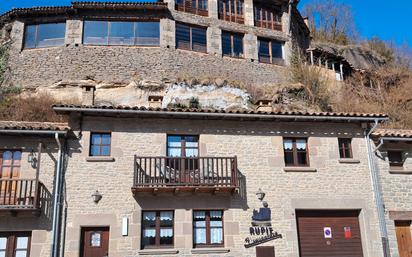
(185,174)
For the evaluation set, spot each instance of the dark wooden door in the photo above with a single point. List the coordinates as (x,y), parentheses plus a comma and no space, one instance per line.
(95,242)
(403,235)
(329,233)
(265,251)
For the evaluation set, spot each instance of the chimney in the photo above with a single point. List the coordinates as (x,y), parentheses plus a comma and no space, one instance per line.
(264,105)
(155,101)
(88,94)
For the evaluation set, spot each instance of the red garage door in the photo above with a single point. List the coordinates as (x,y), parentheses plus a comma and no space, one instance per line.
(329,233)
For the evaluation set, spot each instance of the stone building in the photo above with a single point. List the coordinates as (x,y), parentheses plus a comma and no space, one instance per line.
(29,159)
(120,180)
(394,164)
(116,46)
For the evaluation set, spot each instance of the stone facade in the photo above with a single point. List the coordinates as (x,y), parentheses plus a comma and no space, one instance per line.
(259,150)
(39,225)
(33,68)
(396,189)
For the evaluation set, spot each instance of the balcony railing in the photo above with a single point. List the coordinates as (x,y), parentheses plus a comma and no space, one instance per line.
(273,25)
(171,174)
(19,194)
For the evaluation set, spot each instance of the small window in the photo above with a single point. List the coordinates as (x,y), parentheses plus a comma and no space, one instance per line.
(121,33)
(296,152)
(207,228)
(191,38)
(395,159)
(345,148)
(157,229)
(232,44)
(100,144)
(44,35)
(270,51)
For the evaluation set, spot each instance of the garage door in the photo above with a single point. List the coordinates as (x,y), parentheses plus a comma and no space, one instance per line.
(329,233)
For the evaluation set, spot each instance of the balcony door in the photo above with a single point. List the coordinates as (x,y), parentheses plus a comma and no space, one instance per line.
(10,162)
(183,152)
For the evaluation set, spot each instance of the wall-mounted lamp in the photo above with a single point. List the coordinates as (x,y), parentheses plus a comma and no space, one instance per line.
(97,196)
(260,194)
(31,158)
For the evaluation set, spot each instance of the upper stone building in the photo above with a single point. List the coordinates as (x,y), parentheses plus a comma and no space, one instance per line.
(130,50)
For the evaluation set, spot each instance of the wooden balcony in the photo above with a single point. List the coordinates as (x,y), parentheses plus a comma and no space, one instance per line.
(273,25)
(185,174)
(20,194)
(231,17)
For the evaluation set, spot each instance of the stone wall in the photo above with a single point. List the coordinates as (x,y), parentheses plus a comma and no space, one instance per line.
(259,150)
(396,189)
(40,226)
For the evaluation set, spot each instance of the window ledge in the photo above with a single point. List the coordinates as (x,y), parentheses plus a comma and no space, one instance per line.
(209,250)
(348,160)
(299,169)
(100,159)
(158,251)
(405,172)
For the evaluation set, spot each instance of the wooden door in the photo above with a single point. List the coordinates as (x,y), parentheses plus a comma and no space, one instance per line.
(95,242)
(265,251)
(403,235)
(329,233)
(10,162)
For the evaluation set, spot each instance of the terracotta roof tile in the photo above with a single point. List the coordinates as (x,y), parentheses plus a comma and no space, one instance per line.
(401,133)
(221,111)
(25,125)
(46,10)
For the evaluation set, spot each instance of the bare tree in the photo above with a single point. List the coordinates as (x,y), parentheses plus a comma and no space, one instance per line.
(330,21)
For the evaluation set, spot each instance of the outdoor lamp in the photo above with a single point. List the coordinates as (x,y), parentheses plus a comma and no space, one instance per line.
(260,194)
(97,196)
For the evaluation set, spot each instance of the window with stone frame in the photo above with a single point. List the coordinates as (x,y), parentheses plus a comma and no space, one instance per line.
(127,33)
(198,7)
(231,10)
(268,17)
(15,244)
(44,35)
(157,229)
(100,144)
(270,51)
(296,151)
(345,148)
(232,44)
(208,228)
(191,37)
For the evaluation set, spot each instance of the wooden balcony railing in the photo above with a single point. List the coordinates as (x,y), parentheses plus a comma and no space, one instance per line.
(187,7)
(171,174)
(19,194)
(273,25)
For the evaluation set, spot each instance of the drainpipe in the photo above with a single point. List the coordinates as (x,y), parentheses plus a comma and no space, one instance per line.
(377,190)
(56,201)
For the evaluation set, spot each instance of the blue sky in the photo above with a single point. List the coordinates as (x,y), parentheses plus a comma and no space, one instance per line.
(390,20)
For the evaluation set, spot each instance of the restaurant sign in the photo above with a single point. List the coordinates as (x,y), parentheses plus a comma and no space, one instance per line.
(261,230)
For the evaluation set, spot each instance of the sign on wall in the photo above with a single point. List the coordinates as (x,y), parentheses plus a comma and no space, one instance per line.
(327,232)
(261,230)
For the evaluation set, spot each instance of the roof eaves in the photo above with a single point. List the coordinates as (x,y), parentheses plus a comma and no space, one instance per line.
(220,114)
